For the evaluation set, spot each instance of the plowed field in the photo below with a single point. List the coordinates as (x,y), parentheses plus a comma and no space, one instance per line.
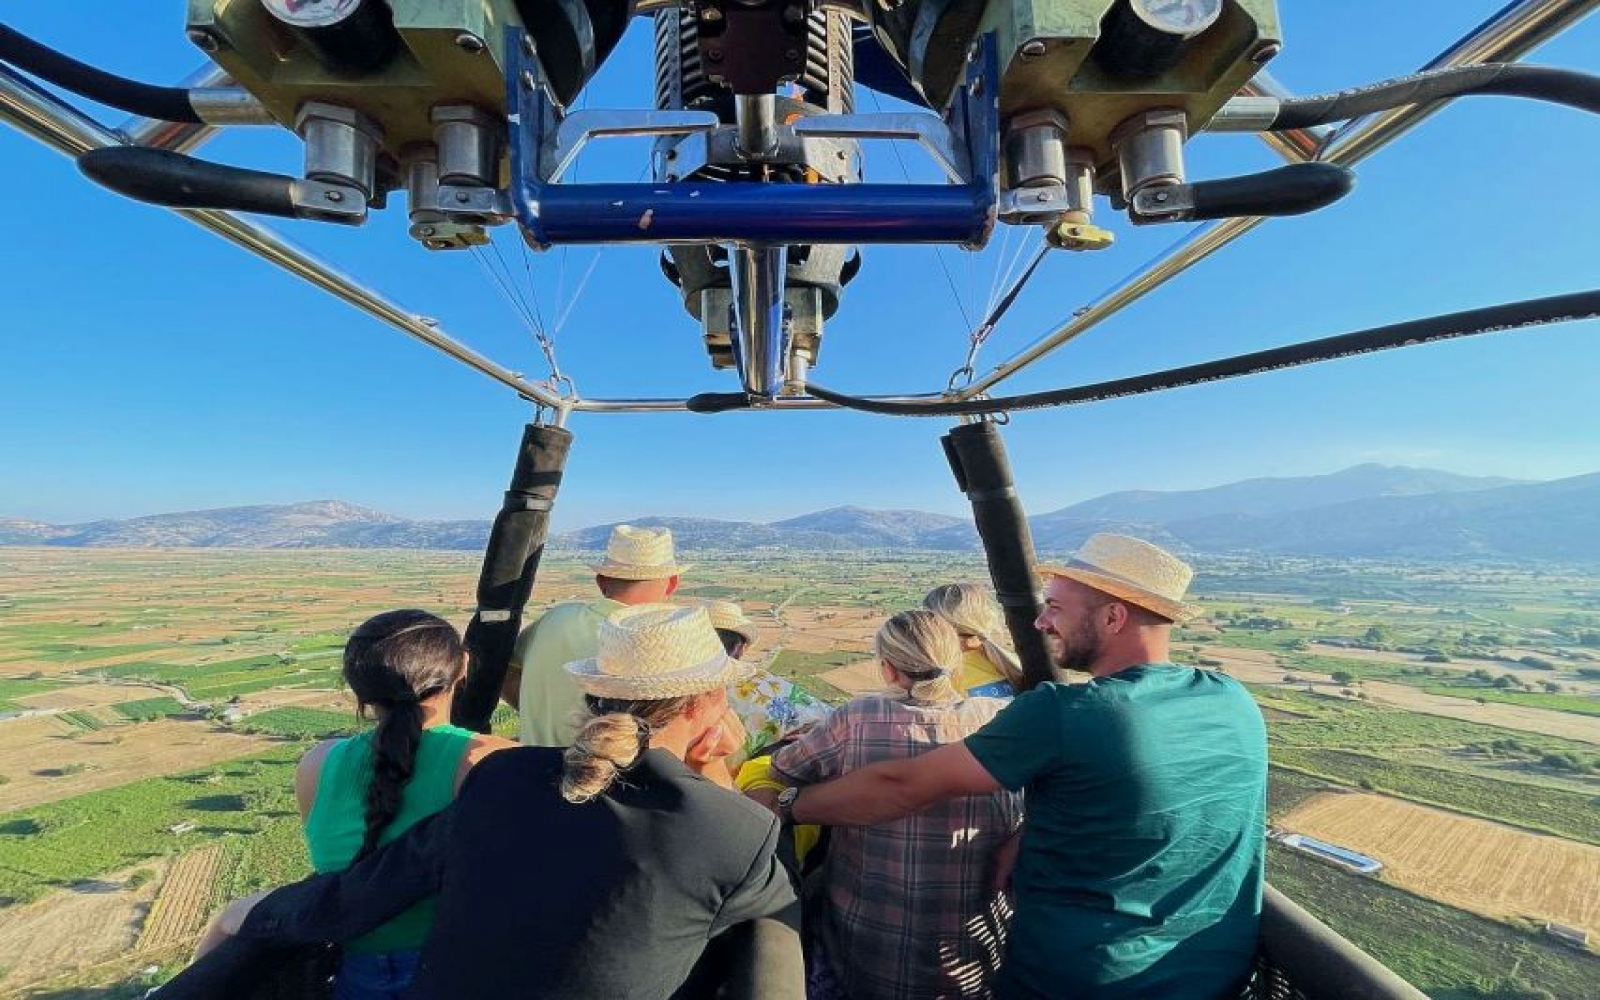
(1470,863)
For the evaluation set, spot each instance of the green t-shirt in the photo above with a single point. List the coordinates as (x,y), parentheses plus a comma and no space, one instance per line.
(1140,871)
(337,821)
(550,696)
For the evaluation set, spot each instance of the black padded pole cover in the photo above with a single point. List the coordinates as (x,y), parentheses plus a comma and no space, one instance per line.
(983,472)
(516,542)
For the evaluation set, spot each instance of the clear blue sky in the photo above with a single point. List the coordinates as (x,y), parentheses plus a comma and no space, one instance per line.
(149,366)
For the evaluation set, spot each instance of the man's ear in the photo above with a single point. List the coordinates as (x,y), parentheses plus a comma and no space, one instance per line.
(1117,617)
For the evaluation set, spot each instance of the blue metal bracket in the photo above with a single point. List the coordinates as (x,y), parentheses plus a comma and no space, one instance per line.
(553,213)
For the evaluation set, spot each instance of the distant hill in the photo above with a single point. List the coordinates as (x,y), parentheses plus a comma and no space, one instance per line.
(1557,521)
(1150,514)
(1275,496)
(318,524)
(1369,511)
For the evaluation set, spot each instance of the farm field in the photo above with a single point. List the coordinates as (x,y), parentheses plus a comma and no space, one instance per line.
(1489,869)
(1262,667)
(152,705)
(47,759)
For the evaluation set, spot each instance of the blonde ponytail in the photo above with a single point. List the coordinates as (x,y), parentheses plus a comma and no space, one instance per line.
(612,736)
(926,649)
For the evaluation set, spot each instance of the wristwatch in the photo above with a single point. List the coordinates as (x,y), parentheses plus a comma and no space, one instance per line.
(786,803)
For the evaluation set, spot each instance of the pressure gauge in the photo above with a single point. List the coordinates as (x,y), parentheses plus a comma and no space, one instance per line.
(311,13)
(348,37)
(1184,18)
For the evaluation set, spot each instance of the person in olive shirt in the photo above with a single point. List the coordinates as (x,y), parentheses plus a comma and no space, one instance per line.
(1139,872)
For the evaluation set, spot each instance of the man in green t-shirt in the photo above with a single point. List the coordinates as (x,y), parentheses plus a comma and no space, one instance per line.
(1139,869)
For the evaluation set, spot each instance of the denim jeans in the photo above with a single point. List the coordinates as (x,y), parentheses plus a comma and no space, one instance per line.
(375,976)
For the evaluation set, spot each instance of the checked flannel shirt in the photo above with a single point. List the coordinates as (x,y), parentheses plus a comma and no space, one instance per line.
(909,912)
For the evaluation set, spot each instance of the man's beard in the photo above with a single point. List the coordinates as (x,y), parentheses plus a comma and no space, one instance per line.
(1077,651)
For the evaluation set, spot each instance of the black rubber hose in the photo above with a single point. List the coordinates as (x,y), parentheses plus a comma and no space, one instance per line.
(164,177)
(169,104)
(1290,190)
(1489,319)
(1542,83)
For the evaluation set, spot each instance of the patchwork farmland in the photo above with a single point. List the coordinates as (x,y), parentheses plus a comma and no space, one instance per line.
(152,706)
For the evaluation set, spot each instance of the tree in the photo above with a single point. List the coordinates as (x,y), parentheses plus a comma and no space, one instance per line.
(1551,687)
(1505,681)
(1376,635)
(1342,678)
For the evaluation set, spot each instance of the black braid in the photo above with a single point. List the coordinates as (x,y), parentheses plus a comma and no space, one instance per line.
(393,662)
(394,758)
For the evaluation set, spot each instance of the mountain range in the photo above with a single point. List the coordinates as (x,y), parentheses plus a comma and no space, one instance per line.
(1369,511)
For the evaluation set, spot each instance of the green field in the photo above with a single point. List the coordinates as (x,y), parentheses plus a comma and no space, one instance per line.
(803,668)
(145,709)
(22,687)
(301,723)
(1548,810)
(63,843)
(246,675)
(1445,952)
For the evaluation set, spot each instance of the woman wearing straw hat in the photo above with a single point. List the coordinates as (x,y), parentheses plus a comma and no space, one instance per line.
(909,909)
(989,668)
(601,870)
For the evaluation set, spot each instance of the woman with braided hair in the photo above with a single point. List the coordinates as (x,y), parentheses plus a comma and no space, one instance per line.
(358,793)
(909,909)
(609,868)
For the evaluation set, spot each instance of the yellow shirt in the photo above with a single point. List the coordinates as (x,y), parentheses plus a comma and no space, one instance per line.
(756,773)
(980,678)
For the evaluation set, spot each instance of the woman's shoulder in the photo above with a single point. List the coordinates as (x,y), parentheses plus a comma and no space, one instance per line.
(311,764)
(308,773)
(479,747)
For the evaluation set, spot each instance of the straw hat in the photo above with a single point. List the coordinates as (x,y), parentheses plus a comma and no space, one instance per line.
(728,615)
(654,651)
(1131,570)
(639,554)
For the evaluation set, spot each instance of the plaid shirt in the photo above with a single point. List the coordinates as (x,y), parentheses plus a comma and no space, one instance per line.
(910,913)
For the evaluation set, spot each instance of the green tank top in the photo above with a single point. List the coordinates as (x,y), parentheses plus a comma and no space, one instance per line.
(336,825)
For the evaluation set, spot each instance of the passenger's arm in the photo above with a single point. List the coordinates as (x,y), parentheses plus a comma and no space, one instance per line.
(818,753)
(891,789)
(338,906)
(477,750)
(306,774)
(765,891)
(511,687)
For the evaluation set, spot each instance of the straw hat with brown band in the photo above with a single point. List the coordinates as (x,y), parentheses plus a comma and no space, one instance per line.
(1131,570)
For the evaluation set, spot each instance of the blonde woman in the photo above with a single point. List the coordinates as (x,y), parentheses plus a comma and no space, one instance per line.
(910,911)
(990,668)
